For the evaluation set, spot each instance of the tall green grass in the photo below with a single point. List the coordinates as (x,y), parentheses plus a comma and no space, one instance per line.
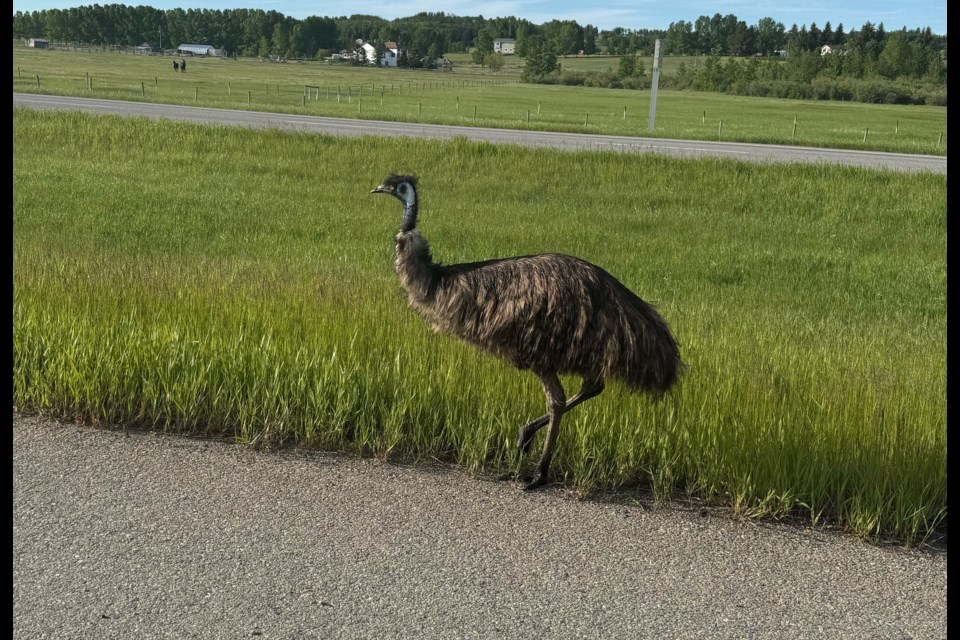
(239,283)
(471,96)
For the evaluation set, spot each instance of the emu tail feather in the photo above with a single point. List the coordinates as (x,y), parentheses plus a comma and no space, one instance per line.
(640,350)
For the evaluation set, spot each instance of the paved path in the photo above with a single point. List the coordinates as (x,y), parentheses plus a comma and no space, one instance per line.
(136,535)
(570,141)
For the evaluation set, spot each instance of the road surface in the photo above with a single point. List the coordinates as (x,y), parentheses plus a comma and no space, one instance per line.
(140,535)
(569,141)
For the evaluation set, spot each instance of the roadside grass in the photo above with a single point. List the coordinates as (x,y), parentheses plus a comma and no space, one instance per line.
(474,96)
(217,281)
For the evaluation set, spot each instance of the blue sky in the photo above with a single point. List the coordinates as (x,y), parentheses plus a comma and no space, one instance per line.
(631,14)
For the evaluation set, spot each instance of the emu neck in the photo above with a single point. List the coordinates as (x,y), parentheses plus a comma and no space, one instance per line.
(409,222)
(414,265)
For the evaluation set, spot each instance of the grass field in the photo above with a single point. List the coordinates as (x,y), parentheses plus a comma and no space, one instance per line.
(471,95)
(240,283)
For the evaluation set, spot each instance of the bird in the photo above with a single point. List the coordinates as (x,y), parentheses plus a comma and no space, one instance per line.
(552,314)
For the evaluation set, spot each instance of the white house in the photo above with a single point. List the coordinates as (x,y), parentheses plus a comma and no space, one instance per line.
(504,45)
(369,51)
(390,55)
(826,49)
(37,43)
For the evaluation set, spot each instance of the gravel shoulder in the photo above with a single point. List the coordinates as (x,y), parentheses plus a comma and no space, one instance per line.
(129,534)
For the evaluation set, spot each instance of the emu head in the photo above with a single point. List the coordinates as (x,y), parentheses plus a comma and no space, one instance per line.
(404,189)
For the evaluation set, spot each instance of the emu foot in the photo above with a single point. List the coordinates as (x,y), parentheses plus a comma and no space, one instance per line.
(540,481)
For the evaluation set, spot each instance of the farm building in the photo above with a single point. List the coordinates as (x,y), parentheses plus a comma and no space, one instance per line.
(197,50)
(504,45)
(37,43)
(390,55)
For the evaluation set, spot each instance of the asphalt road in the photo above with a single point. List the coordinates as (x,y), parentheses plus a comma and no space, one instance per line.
(569,141)
(138,535)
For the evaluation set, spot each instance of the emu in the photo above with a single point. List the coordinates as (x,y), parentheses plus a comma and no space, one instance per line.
(551,314)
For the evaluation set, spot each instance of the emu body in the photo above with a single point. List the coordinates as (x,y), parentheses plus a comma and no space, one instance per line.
(550,313)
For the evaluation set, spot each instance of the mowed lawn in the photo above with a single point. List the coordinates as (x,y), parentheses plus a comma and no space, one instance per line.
(471,95)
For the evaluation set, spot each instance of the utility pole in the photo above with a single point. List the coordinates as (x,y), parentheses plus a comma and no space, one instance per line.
(657,60)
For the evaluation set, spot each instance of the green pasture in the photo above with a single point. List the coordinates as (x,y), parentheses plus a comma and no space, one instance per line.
(473,96)
(239,283)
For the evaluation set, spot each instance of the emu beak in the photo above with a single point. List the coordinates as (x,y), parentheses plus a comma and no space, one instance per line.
(380,189)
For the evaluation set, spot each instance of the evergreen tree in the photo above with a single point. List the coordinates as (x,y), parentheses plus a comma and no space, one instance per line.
(826,36)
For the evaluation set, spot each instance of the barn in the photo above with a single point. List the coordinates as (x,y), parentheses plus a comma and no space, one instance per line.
(196,50)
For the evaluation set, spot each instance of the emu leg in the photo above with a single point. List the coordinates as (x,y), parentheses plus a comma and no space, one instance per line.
(556,406)
(589,389)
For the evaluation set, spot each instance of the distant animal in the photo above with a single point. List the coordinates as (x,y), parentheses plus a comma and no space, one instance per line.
(176,67)
(551,313)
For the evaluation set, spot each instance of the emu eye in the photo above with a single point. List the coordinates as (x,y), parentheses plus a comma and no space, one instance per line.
(402,189)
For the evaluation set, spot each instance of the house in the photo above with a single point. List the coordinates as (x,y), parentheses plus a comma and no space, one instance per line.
(391,55)
(443,64)
(38,43)
(826,50)
(504,45)
(196,50)
(367,50)
(144,49)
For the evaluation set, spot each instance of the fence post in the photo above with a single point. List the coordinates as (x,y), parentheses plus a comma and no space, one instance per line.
(865,132)
(794,134)
(720,129)
(142,93)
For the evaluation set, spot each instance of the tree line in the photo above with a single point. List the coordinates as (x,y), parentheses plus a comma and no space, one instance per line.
(869,52)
